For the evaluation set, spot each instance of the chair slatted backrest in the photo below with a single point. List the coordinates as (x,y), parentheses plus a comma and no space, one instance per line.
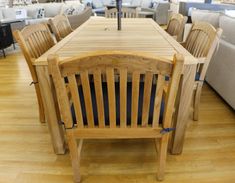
(103,75)
(60,26)
(202,42)
(34,40)
(126,13)
(176,26)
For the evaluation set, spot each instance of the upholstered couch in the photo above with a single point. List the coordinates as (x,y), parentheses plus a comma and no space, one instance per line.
(184,7)
(221,71)
(76,17)
(160,8)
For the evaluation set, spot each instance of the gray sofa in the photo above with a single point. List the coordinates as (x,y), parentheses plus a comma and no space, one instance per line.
(185,6)
(221,72)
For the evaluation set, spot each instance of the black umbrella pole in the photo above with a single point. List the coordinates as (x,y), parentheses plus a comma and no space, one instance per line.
(119,17)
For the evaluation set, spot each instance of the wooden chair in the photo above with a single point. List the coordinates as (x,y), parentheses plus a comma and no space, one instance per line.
(126,13)
(34,40)
(60,26)
(176,25)
(95,110)
(201,43)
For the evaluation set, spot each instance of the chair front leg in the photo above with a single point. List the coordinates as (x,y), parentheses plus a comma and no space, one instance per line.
(75,155)
(162,156)
(197,101)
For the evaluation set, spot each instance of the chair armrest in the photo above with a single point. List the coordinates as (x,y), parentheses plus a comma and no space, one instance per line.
(201,60)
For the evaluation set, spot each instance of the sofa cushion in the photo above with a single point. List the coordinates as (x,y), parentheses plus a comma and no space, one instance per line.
(107,2)
(136,2)
(41,13)
(21,13)
(65,9)
(77,6)
(211,17)
(146,4)
(97,4)
(227,24)
(127,2)
(52,9)
(32,10)
(9,13)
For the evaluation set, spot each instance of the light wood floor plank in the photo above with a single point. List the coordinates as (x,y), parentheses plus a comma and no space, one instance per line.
(26,153)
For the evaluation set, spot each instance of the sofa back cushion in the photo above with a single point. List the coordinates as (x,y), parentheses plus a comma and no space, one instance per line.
(34,10)
(52,9)
(9,13)
(136,2)
(72,8)
(227,24)
(211,17)
(107,2)
(76,6)
(146,4)
(126,1)
(97,4)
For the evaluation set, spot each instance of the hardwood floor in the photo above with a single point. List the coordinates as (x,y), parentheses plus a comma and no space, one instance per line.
(26,154)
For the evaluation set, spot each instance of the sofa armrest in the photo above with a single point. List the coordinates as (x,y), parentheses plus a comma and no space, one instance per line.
(77,20)
(148,9)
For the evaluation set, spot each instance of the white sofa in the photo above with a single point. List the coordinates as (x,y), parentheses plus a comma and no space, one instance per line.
(221,71)
(41,12)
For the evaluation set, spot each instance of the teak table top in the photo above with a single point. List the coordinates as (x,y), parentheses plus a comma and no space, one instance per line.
(99,34)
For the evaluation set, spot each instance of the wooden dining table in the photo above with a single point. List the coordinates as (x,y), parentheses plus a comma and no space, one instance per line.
(99,34)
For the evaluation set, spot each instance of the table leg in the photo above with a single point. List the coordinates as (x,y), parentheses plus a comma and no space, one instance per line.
(181,117)
(50,106)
